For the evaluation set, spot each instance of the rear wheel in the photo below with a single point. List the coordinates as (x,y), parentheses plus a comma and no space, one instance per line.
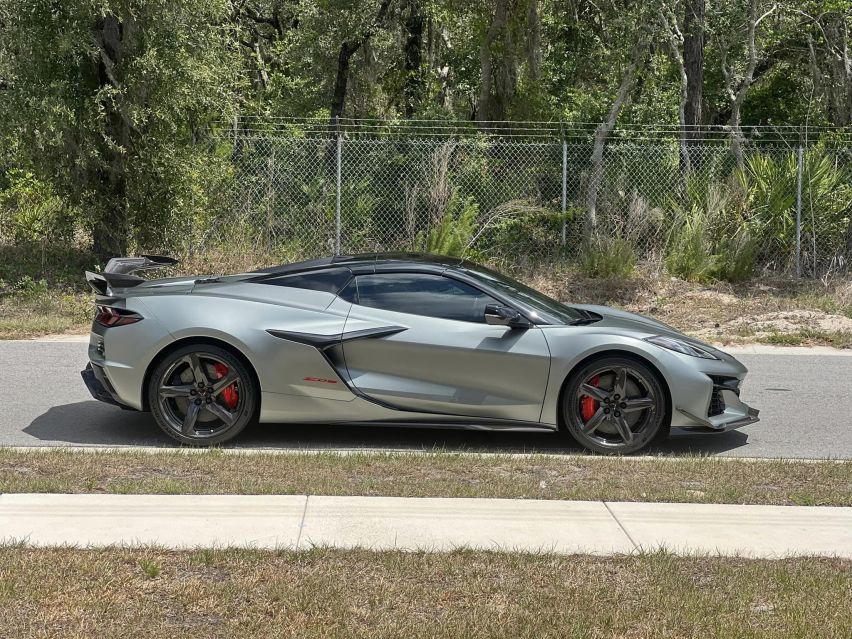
(614,405)
(202,395)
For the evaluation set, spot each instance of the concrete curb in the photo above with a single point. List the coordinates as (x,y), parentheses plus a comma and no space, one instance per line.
(433,524)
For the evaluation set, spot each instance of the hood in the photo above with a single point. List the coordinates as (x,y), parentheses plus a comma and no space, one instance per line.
(614,318)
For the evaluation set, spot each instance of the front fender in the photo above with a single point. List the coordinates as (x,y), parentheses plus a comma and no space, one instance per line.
(685,377)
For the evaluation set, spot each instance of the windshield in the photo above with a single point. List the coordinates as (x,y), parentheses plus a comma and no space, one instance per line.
(539,306)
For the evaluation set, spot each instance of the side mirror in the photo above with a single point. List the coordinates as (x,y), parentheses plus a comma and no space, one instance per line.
(498,315)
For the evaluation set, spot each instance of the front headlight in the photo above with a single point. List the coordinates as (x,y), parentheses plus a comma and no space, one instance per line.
(679,346)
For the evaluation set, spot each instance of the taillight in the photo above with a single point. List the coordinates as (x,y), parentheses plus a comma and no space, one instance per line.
(110,316)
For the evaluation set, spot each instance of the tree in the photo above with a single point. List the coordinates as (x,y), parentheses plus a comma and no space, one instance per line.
(693,62)
(348,48)
(737,85)
(502,51)
(628,79)
(414,22)
(829,55)
(104,99)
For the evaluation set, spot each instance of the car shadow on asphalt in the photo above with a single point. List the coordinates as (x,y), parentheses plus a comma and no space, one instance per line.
(92,423)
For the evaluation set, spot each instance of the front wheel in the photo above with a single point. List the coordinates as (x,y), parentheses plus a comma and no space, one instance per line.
(202,395)
(614,405)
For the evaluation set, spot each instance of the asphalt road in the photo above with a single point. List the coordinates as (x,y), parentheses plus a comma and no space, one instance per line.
(804,399)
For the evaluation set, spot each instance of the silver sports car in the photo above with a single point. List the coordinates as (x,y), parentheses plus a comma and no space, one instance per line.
(402,339)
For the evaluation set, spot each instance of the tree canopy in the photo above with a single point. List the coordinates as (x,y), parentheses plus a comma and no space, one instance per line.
(104,99)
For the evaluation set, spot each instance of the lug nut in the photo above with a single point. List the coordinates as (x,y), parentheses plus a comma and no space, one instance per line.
(606,411)
(617,414)
(198,402)
(623,404)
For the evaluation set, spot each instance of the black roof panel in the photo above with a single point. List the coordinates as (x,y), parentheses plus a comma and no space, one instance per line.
(365,259)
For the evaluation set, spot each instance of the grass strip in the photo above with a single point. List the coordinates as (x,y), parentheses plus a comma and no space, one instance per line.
(151,593)
(688,479)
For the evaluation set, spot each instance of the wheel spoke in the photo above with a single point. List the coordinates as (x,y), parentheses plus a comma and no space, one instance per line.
(592,425)
(637,404)
(221,384)
(221,412)
(182,390)
(623,429)
(190,418)
(587,390)
(197,369)
(620,386)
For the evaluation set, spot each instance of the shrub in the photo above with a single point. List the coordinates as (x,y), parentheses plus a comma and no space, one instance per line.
(610,257)
(32,212)
(454,234)
(709,237)
(770,185)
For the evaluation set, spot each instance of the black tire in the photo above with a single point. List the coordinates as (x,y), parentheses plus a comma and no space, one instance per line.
(202,415)
(615,415)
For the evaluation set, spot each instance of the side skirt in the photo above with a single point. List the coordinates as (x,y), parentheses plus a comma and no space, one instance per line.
(460,423)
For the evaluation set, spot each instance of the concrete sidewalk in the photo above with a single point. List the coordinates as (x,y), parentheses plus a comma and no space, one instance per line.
(299,521)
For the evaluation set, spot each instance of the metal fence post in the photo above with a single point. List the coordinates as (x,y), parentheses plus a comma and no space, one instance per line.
(338,187)
(799,214)
(564,190)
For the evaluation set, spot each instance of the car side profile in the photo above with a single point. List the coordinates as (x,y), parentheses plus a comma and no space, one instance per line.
(398,339)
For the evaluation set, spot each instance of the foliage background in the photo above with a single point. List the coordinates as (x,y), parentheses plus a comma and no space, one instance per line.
(130,125)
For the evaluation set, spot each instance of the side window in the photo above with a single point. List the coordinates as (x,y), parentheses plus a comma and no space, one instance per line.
(421,294)
(327,280)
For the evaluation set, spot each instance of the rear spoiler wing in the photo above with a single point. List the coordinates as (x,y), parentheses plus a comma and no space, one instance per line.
(119,272)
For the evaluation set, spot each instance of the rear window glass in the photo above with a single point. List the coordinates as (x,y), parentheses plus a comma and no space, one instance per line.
(327,280)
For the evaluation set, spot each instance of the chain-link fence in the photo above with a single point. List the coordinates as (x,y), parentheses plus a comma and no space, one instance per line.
(700,209)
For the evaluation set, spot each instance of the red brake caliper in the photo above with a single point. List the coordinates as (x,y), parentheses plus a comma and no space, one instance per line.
(589,405)
(229,395)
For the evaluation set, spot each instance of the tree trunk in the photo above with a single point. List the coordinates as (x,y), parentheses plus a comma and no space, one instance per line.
(111,226)
(341,80)
(676,41)
(693,64)
(693,61)
(738,94)
(344,56)
(606,127)
(413,88)
(490,106)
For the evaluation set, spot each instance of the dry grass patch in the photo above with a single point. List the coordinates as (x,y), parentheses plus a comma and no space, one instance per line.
(697,479)
(47,312)
(356,593)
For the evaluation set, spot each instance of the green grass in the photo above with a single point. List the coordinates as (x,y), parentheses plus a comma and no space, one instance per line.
(810,337)
(150,568)
(695,479)
(237,594)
